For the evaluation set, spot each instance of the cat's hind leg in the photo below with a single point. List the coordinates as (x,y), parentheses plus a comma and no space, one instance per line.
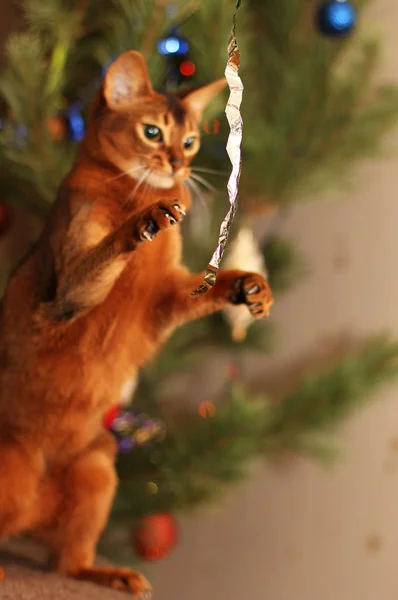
(21,468)
(86,488)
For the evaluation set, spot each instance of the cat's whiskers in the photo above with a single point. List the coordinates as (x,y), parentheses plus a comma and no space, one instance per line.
(146,191)
(128,173)
(139,183)
(202,181)
(181,185)
(209,171)
(196,191)
(200,220)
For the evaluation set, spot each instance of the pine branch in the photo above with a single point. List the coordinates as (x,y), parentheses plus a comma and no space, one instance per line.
(325,399)
(201,458)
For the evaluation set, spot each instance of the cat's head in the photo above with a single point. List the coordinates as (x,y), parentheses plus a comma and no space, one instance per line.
(144,133)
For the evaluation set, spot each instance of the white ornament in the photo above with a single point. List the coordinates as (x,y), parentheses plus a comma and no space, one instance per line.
(245,254)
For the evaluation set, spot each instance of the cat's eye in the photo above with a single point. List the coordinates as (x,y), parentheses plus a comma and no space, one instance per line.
(153,133)
(189,142)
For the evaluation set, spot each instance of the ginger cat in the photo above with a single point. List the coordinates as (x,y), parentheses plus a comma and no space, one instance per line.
(100,292)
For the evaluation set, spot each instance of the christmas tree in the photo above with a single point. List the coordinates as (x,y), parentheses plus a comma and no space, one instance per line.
(312,109)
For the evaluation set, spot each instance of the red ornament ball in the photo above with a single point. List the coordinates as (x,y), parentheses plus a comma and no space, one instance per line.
(111,415)
(5,216)
(155,536)
(187,68)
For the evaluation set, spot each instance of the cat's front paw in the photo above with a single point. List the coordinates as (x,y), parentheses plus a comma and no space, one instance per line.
(159,217)
(253,290)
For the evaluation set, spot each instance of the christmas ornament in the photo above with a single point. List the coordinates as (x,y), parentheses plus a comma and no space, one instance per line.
(132,430)
(173,44)
(111,415)
(75,124)
(206,409)
(175,48)
(187,68)
(244,254)
(213,127)
(336,18)
(20,135)
(234,144)
(5,217)
(57,128)
(152,488)
(155,536)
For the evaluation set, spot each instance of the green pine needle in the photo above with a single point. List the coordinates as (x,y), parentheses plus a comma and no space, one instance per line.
(199,460)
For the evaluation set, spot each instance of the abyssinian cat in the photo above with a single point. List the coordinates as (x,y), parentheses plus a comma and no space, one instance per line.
(101,290)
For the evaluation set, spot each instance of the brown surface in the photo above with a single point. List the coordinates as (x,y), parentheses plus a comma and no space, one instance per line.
(27,578)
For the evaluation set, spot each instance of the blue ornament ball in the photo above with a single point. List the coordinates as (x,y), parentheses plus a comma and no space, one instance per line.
(75,124)
(336,18)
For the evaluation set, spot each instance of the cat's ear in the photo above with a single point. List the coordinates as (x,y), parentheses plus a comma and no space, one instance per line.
(197,100)
(126,80)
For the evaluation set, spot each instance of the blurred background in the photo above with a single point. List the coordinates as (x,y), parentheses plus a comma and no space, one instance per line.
(299,411)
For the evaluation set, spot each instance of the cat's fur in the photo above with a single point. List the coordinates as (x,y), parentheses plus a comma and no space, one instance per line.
(89,306)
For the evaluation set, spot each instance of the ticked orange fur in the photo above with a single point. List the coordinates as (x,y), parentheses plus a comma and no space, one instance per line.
(101,291)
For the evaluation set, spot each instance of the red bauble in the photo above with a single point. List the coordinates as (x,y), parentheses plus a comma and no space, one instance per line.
(111,415)
(155,536)
(5,217)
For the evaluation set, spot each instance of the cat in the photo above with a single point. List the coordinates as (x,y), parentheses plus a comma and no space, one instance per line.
(93,302)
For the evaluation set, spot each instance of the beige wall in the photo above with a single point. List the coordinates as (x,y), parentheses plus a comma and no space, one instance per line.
(300,532)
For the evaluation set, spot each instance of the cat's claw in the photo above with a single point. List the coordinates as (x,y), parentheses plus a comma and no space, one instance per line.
(147,236)
(170,218)
(253,290)
(150,231)
(180,209)
(160,217)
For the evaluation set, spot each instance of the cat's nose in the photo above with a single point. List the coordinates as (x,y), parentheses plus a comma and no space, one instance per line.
(176,164)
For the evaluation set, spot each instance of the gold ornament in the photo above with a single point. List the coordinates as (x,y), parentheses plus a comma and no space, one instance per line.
(152,488)
(244,254)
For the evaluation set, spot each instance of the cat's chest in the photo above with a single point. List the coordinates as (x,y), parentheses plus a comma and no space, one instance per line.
(150,261)
(133,309)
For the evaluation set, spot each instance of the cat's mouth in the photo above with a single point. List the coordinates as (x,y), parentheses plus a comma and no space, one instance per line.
(145,175)
(162,180)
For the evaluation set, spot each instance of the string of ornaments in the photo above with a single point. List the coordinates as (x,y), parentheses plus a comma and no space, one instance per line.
(155,535)
(132,430)
(175,49)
